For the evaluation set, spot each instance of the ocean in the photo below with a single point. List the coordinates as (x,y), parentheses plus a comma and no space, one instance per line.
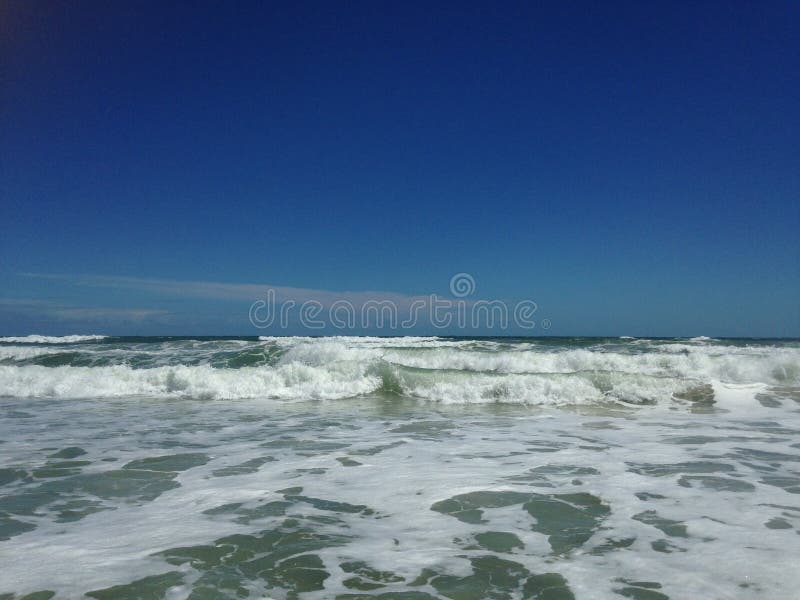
(406,467)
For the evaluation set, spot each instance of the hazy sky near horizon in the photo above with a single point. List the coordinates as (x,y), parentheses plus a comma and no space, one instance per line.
(633,168)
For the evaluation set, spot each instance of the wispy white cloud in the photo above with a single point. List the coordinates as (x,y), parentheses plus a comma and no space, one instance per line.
(24,302)
(107,314)
(226,291)
(60,311)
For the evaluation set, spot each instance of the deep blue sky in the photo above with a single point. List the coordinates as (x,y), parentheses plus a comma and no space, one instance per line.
(632,167)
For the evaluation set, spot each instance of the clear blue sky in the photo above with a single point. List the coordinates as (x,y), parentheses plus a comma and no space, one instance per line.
(632,167)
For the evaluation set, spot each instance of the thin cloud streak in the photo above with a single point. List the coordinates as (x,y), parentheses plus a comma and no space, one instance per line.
(57,310)
(227,291)
(107,314)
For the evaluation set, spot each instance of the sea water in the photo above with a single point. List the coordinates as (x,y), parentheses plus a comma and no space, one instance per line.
(409,468)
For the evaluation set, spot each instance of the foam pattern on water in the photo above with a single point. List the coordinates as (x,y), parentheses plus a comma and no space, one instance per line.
(402,468)
(374,497)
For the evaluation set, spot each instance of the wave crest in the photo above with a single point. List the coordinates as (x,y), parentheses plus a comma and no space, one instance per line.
(426,368)
(51,339)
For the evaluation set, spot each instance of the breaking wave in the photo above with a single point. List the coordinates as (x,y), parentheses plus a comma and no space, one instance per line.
(51,339)
(446,370)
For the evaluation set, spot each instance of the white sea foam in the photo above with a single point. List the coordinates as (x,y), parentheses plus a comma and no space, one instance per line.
(27,352)
(429,457)
(296,381)
(52,339)
(723,551)
(369,341)
(288,382)
(738,365)
(434,369)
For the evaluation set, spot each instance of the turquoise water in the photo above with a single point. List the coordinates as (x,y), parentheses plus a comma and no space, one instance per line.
(399,468)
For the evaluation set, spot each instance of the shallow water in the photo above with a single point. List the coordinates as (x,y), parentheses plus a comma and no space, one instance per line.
(662,483)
